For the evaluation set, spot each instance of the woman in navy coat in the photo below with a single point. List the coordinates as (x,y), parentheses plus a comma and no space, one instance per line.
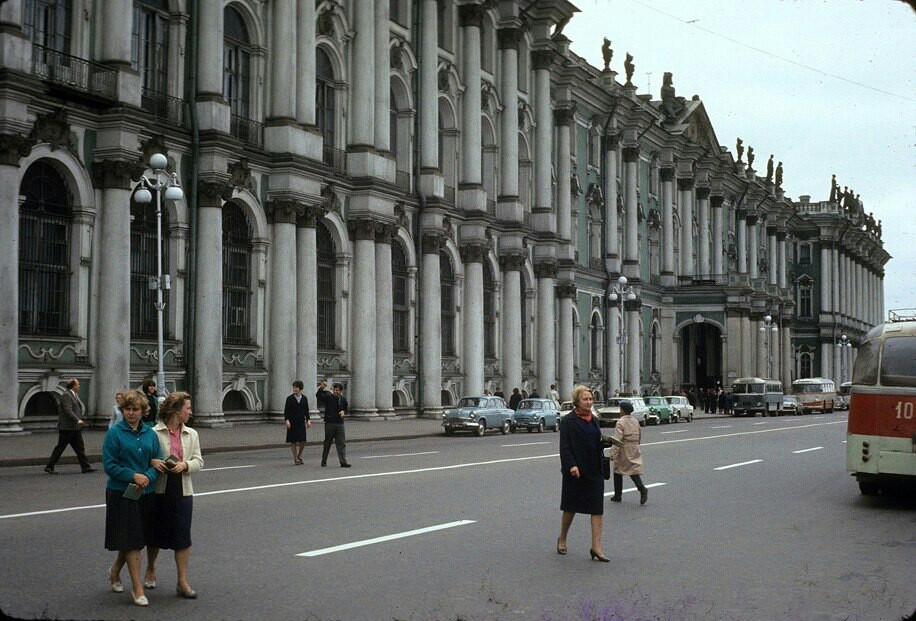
(298,420)
(583,480)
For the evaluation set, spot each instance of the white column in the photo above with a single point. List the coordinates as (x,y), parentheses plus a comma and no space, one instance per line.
(835,298)
(384,318)
(631,217)
(610,204)
(282,67)
(859,293)
(565,362)
(282,302)
(382,58)
(431,326)
(783,281)
(546,273)
(772,257)
(543,137)
(666,175)
(614,350)
(209,50)
(634,351)
(511,320)
(741,240)
(305,64)
(116,32)
(473,350)
(825,283)
(508,162)
(429,75)
(826,369)
(306,299)
(685,186)
(565,118)
(362,350)
(471,16)
(752,244)
(717,229)
(747,361)
(362,109)
(703,224)
(761,348)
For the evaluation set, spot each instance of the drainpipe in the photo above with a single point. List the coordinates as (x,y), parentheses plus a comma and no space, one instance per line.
(416,228)
(191,90)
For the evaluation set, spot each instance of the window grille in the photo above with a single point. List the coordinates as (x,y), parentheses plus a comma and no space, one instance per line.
(143,315)
(327,297)
(401,308)
(237,249)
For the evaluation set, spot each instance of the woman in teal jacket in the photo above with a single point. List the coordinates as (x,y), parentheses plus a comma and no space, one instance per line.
(126,453)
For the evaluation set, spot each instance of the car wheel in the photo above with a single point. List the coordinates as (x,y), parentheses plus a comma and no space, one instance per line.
(542,426)
(556,425)
(505,428)
(690,418)
(449,432)
(481,428)
(868,488)
(642,423)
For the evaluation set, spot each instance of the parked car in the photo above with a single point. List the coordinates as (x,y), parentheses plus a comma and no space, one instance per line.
(477,414)
(537,414)
(661,408)
(610,413)
(790,405)
(566,407)
(682,406)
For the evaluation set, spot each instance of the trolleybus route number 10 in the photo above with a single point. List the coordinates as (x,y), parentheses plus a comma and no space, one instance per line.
(904,409)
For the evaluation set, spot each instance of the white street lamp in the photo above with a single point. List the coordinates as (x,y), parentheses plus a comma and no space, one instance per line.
(622,292)
(844,344)
(767,327)
(161,181)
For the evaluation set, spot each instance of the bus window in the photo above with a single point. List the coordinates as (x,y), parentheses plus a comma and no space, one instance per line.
(865,370)
(898,364)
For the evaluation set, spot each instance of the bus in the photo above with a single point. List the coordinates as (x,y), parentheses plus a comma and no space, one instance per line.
(815,393)
(881,430)
(754,394)
(842,396)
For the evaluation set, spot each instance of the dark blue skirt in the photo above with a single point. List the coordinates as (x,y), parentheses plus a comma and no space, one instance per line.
(172,517)
(127,522)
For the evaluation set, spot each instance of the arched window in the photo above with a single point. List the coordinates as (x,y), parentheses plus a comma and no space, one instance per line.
(41,404)
(236,275)
(44,252)
(327,298)
(806,362)
(447,284)
(47,23)
(595,334)
(401,301)
(236,63)
(235,401)
(489,312)
(150,44)
(143,240)
(325,98)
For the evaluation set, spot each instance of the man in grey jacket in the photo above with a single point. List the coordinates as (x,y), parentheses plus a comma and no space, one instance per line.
(69,428)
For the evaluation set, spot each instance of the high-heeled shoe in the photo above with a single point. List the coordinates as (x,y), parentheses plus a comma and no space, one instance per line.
(559,549)
(116,585)
(186,593)
(599,557)
(140,601)
(149,584)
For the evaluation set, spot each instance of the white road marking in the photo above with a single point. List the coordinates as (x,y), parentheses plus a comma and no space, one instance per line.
(633,489)
(844,441)
(816,448)
(763,423)
(400,455)
(227,468)
(721,427)
(680,431)
(743,463)
(368,542)
(526,444)
(437,468)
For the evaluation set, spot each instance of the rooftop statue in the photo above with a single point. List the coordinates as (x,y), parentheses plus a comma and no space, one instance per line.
(750,157)
(739,147)
(833,189)
(607,53)
(630,68)
(770,168)
(779,176)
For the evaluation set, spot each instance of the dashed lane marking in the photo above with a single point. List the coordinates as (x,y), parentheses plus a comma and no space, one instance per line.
(808,450)
(400,455)
(679,431)
(743,463)
(721,427)
(526,444)
(369,542)
(227,468)
(633,489)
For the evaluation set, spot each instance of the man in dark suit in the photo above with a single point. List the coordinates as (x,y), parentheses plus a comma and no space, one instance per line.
(335,409)
(69,428)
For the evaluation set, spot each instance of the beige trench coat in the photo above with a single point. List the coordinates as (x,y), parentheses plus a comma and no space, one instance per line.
(627,458)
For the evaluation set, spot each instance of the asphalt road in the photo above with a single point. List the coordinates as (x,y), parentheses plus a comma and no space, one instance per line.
(465,528)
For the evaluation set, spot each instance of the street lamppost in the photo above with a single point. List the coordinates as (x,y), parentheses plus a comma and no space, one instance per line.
(622,292)
(769,326)
(160,180)
(844,344)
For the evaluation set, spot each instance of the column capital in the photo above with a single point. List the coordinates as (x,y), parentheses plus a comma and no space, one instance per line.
(612,139)
(685,183)
(666,173)
(474,252)
(433,241)
(781,234)
(14,147)
(703,193)
(362,229)
(512,261)
(542,59)
(116,174)
(716,201)
(214,191)
(470,15)
(310,216)
(545,269)
(751,219)
(566,115)
(509,38)
(630,153)
(632,305)
(283,210)
(385,232)
(566,290)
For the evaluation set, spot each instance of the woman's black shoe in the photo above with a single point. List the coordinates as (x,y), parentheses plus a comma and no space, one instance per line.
(615,498)
(599,557)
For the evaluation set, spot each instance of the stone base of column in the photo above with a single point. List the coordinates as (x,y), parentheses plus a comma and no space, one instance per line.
(209,421)
(367,162)
(669,280)
(289,137)
(16,51)
(631,269)
(510,209)
(543,220)
(213,114)
(129,86)
(364,414)
(612,264)
(432,184)
(472,197)
(435,413)
(12,428)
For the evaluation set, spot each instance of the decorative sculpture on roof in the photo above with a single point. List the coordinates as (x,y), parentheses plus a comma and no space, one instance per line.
(739,147)
(779,176)
(607,53)
(750,157)
(833,189)
(670,104)
(630,68)
(770,168)
(879,229)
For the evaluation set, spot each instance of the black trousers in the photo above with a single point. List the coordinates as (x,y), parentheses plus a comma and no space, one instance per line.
(334,434)
(72,438)
(618,483)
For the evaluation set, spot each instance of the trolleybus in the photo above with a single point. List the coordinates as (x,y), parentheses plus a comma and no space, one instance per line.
(753,394)
(881,431)
(815,393)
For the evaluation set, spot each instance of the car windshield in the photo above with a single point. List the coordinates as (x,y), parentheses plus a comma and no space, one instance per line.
(748,388)
(471,402)
(530,405)
(789,400)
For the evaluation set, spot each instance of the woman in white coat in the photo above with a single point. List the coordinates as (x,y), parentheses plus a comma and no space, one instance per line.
(174,496)
(627,456)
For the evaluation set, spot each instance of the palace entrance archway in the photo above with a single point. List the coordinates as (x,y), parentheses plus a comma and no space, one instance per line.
(700,355)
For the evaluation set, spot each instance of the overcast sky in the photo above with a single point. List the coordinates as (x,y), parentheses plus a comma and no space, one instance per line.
(852,113)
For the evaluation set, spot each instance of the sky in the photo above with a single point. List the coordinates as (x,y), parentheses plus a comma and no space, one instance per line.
(827,86)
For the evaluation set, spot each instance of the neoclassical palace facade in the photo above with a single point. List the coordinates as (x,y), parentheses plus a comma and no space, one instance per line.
(417,198)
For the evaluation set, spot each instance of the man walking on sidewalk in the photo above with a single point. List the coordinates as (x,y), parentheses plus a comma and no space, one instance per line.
(69,428)
(335,408)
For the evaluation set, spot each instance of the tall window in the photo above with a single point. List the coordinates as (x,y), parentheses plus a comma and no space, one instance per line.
(150,44)
(236,275)
(804,300)
(595,334)
(236,63)
(143,315)
(326,255)
(444,24)
(324,97)
(489,312)
(44,252)
(393,123)
(805,362)
(401,301)
(47,23)
(447,284)
(804,254)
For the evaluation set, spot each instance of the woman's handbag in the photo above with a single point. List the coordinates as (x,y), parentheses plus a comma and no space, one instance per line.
(606,467)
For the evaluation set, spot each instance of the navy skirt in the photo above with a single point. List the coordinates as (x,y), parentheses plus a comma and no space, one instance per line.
(172,517)
(127,522)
